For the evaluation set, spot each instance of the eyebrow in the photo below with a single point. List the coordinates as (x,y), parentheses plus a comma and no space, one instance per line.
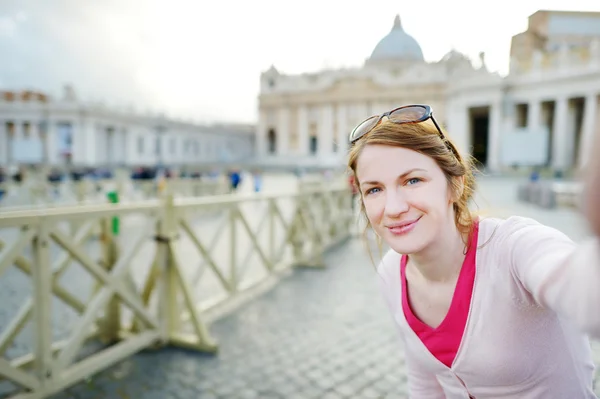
(408,172)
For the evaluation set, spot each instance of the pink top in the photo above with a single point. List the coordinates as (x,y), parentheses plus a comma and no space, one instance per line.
(536,293)
(444,340)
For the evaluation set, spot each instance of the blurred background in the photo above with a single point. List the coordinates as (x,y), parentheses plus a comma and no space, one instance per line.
(182,85)
(134,100)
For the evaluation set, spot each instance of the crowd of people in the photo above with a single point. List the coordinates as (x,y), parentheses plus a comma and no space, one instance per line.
(235,176)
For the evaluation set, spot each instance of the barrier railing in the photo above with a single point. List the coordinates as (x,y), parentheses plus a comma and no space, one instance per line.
(550,194)
(76,304)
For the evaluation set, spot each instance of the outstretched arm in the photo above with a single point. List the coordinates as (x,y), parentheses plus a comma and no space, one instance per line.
(558,273)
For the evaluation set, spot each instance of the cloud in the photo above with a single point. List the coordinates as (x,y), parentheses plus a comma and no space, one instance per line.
(97,47)
(10,23)
(165,56)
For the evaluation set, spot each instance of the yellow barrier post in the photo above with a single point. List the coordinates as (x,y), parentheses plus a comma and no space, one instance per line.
(110,325)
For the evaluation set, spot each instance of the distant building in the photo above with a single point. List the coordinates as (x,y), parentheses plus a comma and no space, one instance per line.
(549,31)
(36,129)
(543,113)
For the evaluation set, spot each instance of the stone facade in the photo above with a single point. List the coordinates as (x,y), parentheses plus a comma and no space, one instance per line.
(35,129)
(550,99)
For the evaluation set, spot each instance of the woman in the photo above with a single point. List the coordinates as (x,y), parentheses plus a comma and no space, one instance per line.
(487,308)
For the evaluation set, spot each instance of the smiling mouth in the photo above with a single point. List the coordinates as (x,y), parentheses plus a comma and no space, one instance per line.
(403,228)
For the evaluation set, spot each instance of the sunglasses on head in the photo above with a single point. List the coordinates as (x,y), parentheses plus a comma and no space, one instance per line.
(404,114)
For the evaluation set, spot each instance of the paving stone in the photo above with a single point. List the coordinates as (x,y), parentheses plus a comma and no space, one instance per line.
(246,394)
(333,395)
(370,393)
(345,389)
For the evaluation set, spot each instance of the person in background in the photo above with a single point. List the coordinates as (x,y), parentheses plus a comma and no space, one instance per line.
(235,178)
(54,178)
(258,180)
(3,181)
(18,176)
(485,307)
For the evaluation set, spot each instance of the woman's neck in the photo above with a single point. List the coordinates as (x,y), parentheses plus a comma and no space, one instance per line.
(442,260)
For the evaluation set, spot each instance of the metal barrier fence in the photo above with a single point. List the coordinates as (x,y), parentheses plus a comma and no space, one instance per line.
(77,302)
(550,194)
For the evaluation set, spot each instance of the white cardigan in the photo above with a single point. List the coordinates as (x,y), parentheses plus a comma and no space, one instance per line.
(534,291)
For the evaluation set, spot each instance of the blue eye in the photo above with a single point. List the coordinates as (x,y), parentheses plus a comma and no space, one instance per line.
(371,190)
(414,180)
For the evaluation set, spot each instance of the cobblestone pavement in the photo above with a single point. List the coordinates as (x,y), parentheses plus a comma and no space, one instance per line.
(317,334)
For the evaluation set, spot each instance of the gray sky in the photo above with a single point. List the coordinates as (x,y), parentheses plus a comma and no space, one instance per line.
(202,59)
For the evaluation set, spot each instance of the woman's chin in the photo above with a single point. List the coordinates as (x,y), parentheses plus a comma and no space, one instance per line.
(404,245)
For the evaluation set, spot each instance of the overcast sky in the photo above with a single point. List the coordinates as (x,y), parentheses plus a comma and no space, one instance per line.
(202,59)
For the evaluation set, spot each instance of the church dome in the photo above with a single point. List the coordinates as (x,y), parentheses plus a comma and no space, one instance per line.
(397,46)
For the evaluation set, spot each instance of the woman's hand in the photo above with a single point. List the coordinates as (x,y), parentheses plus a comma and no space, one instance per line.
(592,188)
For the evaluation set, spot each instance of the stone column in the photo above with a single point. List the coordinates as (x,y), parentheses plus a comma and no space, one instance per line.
(34,129)
(4,150)
(569,148)
(534,112)
(99,140)
(107,156)
(458,126)
(303,130)
(18,134)
(342,130)
(495,127)
(79,144)
(10,137)
(131,148)
(166,146)
(559,148)
(360,113)
(36,139)
(107,138)
(588,129)
(84,141)
(325,130)
(45,137)
(261,134)
(594,62)
(52,142)
(15,142)
(283,131)
(121,133)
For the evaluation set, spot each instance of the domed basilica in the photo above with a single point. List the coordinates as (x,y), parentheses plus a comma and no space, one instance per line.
(547,106)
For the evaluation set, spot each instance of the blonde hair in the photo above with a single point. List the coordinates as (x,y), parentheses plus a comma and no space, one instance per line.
(424,138)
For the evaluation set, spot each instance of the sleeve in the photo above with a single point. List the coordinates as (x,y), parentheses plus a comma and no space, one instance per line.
(422,384)
(559,274)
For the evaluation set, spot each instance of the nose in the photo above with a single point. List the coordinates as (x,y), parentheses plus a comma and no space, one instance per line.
(395,203)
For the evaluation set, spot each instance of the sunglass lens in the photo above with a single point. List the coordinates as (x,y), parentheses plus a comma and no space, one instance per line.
(409,114)
(364,128)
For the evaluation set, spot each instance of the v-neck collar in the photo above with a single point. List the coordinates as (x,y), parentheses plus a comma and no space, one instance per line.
(470,256)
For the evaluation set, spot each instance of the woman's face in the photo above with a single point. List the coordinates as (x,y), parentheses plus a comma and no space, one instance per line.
(406,196)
